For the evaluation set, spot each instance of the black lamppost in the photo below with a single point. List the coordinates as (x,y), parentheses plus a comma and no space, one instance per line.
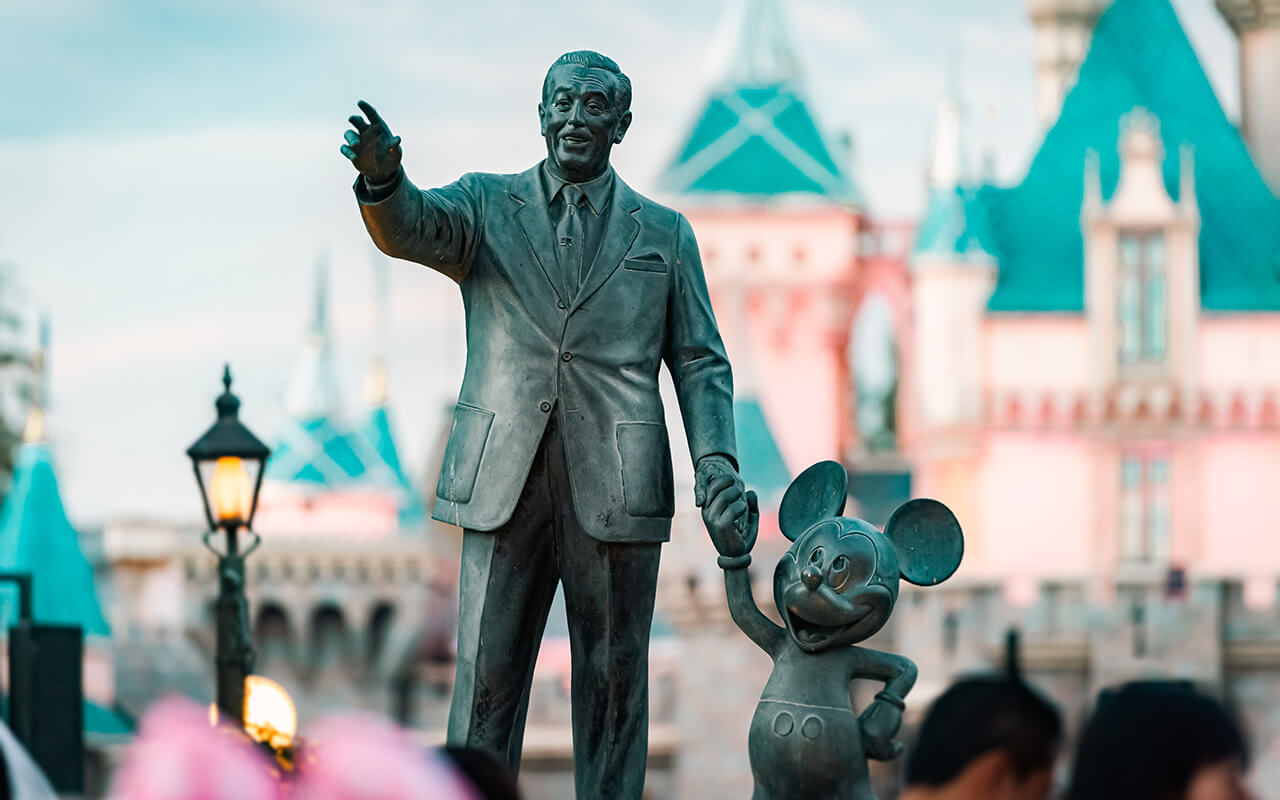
(229,462)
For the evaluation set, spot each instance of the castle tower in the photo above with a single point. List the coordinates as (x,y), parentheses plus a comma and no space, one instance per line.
(1256,24)
(953,274)
(953,277)
(327,477)
(1063,30)
(777,218)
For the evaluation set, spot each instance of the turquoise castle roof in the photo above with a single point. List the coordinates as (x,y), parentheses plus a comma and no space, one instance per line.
(1139,58)
(377,431)
(756,136)
(36,537)
(954,227)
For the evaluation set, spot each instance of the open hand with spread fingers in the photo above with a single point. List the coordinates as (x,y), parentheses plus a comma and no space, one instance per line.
(371,147)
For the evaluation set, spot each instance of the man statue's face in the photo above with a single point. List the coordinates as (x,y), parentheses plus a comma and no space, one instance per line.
(580,121)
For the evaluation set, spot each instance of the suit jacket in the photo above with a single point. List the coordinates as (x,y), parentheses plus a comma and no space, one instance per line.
(592,359)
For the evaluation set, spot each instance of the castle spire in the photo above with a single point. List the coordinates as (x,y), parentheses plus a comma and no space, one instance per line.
(36,428)
(947,168)
(764,55)
(375,381)
(313,389)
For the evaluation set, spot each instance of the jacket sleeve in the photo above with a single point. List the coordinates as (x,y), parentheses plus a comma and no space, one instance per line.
(695,355)
(439,228)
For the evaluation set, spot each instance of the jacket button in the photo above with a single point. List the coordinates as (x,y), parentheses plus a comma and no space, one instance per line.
(566,356)
(545,406)
(560,305)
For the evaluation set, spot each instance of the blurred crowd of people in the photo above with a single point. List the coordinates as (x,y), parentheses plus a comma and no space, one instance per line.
(997,738)
(990,737)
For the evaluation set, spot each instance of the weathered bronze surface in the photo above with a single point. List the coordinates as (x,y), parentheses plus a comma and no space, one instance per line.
(558,466)
(834,587)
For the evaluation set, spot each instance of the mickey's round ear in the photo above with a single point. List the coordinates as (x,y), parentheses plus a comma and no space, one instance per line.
(817,493)
(928,540)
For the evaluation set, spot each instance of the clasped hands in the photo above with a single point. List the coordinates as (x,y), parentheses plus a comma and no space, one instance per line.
(730,514)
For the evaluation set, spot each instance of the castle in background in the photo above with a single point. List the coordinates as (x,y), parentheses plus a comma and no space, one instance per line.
(1083,366)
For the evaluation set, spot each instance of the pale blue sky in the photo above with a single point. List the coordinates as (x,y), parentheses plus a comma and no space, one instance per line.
(172,172)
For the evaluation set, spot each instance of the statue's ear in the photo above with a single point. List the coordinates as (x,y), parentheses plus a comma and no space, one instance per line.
(817,493)
(928,540)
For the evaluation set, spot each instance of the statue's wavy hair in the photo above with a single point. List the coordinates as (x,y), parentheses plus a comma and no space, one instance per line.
(590,58)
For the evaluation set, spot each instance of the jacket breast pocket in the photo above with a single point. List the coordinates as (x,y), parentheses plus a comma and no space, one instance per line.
(646,263)
(467,437)
(648,489)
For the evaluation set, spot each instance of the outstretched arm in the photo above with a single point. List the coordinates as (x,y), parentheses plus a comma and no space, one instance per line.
(438,228)
(721,519)
(882,719)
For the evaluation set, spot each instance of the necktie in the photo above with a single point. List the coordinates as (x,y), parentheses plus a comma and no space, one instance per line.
(571,238)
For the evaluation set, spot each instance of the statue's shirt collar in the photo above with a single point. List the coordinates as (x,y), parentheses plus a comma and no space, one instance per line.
(598,190)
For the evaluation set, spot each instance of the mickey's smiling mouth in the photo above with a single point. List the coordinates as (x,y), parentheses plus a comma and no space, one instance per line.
(812,635)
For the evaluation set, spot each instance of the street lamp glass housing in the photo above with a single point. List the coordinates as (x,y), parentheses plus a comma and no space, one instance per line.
(228,462)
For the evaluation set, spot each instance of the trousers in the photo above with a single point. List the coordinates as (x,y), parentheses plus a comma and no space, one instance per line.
(509,576)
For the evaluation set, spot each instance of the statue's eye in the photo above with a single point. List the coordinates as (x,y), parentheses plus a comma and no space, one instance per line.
(839,575)
(815,558)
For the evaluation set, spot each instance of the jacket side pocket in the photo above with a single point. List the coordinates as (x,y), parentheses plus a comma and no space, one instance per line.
(648,489)
(467,437)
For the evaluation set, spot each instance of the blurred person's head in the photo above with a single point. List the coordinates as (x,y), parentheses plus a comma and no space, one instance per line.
(178,755)
(993,737)
(1160,740)
(362,756)
(489,775)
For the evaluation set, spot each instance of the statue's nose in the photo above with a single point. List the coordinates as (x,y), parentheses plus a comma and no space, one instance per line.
(811,577)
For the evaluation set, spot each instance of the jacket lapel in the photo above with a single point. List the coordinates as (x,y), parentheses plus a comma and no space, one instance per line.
(534,222)
(619,233)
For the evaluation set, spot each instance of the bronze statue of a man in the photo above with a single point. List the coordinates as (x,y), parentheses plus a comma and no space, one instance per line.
(558,466)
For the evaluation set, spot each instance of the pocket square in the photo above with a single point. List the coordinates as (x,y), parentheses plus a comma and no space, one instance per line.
(646,262)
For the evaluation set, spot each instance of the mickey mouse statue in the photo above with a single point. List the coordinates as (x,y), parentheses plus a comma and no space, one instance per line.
(834,587)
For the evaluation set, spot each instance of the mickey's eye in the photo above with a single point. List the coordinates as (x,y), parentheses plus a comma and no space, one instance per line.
(815,558)
(854,566)
(839,576)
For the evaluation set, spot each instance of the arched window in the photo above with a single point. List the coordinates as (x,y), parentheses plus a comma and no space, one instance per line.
(330,640)
(380,622)
(1142,304)
(874,357)
(274,636)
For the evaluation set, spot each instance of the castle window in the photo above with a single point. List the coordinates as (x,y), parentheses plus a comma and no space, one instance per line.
(1143,298)
(1144,507)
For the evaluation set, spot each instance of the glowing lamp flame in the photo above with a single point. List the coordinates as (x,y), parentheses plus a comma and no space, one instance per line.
(230,489)
(269,713)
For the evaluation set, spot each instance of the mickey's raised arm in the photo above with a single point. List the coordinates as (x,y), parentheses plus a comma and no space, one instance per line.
(737,582)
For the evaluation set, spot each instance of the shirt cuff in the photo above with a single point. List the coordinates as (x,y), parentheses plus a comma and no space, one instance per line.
(381,191)
(733,462)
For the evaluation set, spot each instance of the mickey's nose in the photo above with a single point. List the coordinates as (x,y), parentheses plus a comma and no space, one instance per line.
(811,577)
